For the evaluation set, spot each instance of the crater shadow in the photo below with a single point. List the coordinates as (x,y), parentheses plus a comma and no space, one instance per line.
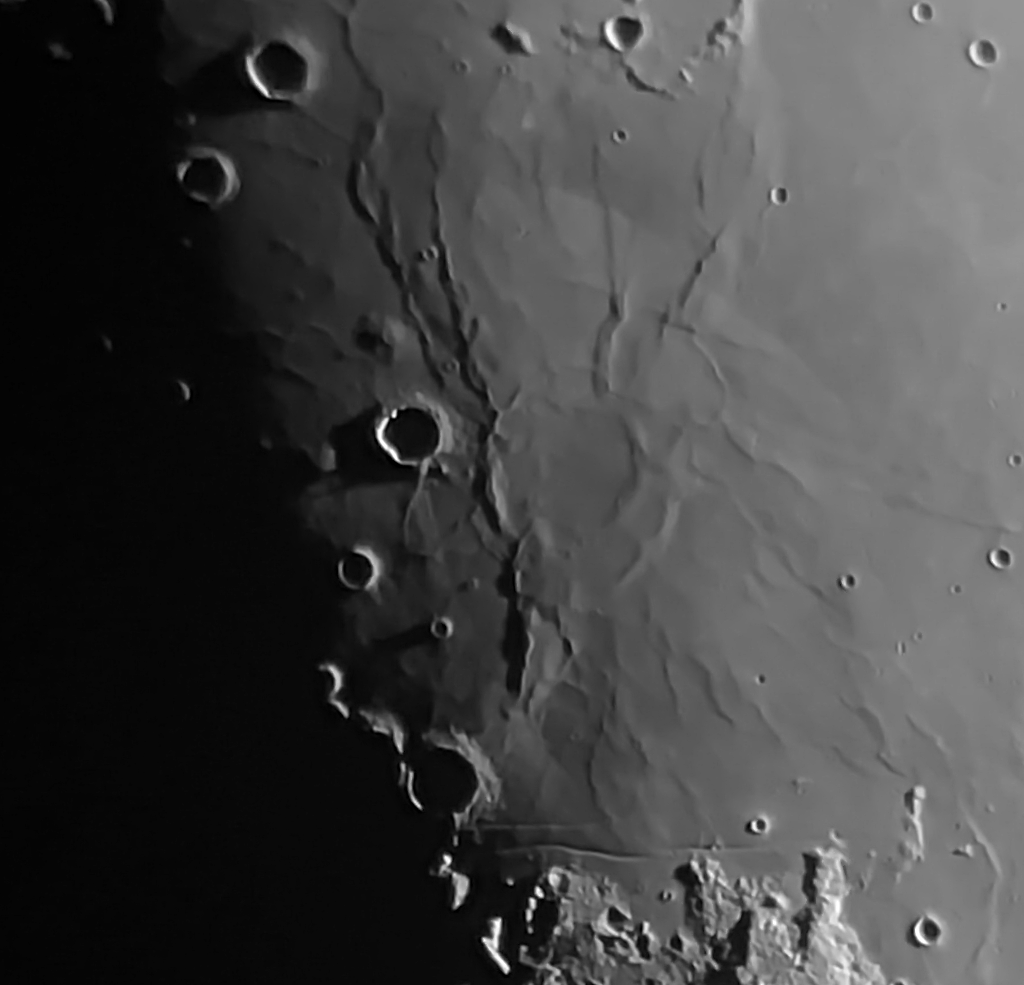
(360,461)
(219,88)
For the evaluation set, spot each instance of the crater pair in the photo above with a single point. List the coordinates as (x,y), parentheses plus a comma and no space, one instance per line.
(285,70)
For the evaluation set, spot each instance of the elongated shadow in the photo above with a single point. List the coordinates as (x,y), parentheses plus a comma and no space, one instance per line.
(219,88)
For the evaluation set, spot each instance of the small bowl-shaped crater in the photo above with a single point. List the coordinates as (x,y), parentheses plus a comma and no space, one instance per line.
(208,176)
(759,825)
(847,581)
(927,931)
(779,195)
(442,628)
(983,53)
(1015,460)
(279,70)
(359,569)
(409,435)
(623,33)
(1001,558)
(922,13)
(443,781)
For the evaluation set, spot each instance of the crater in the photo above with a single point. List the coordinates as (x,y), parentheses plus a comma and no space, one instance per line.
(278,71)
(209,177)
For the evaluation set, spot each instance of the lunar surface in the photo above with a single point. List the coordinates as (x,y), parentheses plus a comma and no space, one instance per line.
(662,369)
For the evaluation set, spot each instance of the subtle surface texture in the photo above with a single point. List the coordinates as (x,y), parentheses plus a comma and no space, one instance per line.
(719,321)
